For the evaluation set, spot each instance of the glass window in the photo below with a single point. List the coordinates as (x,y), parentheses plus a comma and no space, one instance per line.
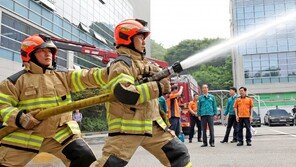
(21,10)
(240,16)
(249,15)
(35,17)
(66,35)
(256,80)
(274,79)
(272,49)
(249,9)
(24,2)
(269,7)
(247,58)
(35,7)
(269,14)
(7,4)
(10,43)
(259,8)
(283,79)
(282,57)
(46,14)
(290,6)
(240,22)
(46,24)
(283,48)
(249,81)
(57,30)
(266,80)
(57,20)
(5,53)
(291,41)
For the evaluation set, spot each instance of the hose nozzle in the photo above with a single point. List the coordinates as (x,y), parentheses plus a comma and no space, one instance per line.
(175,68)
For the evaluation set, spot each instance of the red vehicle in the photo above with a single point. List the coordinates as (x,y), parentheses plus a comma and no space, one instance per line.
(190,87)
(105,55)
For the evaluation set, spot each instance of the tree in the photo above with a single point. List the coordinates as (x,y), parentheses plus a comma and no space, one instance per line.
(217,77)
(187,48)
(157,50)
(217,73)
(94,118)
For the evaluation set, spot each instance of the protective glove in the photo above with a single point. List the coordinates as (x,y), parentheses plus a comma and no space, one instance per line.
(26,121)
(165,86)
(150,69)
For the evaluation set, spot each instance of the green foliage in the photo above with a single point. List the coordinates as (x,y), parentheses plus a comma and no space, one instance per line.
(90,124)
(187,48)
(94,118)
(217,77)
(157,50)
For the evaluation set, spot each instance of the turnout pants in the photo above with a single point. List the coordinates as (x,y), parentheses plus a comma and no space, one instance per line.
(169,150)
(74,153)
(231,123)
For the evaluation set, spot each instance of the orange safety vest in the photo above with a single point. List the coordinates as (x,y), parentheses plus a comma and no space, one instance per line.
(173,99)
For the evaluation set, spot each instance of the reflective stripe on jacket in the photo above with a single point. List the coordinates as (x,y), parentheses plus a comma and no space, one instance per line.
(137,106)
(37,90)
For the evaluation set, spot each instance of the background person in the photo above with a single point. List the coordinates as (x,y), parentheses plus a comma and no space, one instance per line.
(243,107)
(77,116)
(231,118)
(174,109)
(194,119)
(207,108)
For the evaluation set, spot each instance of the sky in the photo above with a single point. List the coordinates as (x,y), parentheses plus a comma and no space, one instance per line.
(175,20)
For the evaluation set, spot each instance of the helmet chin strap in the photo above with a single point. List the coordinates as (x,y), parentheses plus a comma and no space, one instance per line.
(44,67)
(132,47)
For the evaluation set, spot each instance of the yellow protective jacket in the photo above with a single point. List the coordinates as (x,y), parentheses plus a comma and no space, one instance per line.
(34,89)
(137,105)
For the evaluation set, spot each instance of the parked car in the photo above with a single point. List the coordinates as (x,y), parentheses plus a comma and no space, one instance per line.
(256,120)
(278,117)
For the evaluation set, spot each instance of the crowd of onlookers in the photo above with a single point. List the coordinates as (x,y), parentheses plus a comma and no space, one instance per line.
(203,109)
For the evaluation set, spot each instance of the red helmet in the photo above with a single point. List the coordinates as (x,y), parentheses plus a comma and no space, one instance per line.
(126,29)
(34,42)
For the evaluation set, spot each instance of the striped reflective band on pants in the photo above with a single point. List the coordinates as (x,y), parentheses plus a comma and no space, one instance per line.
(138,126)
(24,140)
(72,128)
(161,123)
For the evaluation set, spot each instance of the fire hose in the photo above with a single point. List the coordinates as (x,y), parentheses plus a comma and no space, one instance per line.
(92,101)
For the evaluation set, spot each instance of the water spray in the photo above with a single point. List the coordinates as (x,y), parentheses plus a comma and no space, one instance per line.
(223,47)
(217,50)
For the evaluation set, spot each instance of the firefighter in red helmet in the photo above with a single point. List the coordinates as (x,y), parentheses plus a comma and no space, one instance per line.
(37,87)
(134,118)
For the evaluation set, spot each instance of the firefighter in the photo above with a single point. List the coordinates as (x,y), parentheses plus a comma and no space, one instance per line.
(37,87)
(134,119)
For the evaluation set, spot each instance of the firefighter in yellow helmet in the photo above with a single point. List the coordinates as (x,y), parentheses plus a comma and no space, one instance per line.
(37,87)
(134,118)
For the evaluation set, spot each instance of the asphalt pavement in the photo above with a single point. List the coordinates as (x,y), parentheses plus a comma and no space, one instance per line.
(271,147)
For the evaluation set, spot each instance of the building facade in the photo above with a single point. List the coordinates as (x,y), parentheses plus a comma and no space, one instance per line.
(85,21)
(266,65)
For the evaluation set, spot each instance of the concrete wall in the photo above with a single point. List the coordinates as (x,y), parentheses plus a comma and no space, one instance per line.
(142,11)
(8,67)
